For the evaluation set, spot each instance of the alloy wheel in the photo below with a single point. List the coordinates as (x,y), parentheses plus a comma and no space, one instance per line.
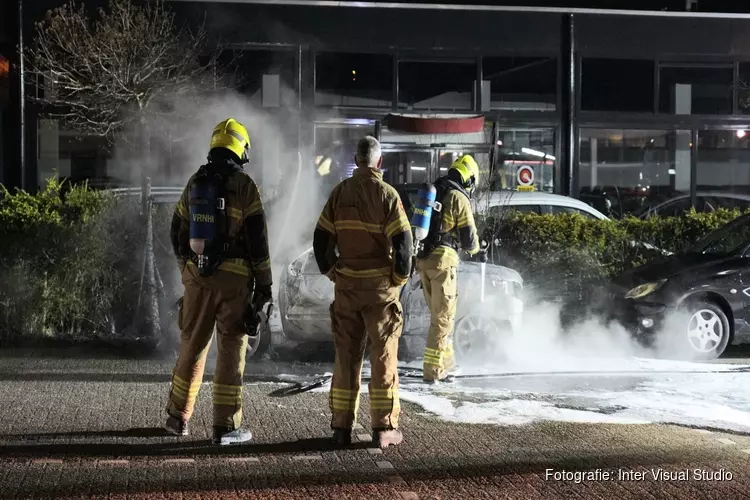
(705,331)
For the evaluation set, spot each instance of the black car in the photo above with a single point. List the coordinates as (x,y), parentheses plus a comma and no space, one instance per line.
(698,299)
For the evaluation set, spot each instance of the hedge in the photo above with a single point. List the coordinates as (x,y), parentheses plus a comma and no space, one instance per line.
(558,254)
(70,262)
(71,257)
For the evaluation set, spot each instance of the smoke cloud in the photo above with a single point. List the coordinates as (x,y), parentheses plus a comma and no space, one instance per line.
(544,344)
(292,194)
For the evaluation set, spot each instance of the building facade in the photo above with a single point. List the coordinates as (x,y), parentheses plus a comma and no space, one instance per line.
(633,106)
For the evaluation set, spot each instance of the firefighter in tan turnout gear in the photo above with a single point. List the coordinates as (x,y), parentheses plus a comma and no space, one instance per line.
(220,239)
(437,261)
(365,219)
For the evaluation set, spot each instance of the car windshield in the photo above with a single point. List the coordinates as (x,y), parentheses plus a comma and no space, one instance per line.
(727,240)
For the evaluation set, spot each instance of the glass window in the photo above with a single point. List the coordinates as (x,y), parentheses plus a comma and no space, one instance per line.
(521,83)
(249,65)
(723,161)
(695,89)
(503,210)
(343,79)
(626,171)
(743,89)
(406,167)
(517,148)
(675,208)
(617,85)
(557,210)
(725,202)
(335,147)
(433,85)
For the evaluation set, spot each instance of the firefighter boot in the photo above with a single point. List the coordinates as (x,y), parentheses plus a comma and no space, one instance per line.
(224,436)
(383,438)
(176,426)
(342,437)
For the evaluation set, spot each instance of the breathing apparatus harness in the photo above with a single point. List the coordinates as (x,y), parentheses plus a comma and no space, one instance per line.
(435,238)
(209,223)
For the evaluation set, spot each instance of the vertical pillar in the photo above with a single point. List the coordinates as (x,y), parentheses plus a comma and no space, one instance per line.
(568,113)
(395,82)
(594,167)
(21,99)
(682,159)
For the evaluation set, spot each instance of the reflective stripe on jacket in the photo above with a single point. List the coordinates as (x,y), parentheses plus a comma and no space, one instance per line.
(365,219)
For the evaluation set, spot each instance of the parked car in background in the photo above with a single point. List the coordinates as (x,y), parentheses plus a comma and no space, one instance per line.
(706,201)
(699,299)
(497,203)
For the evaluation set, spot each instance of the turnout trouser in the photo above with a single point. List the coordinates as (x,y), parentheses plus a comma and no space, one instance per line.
(219,300)
(356,316)
(440,293)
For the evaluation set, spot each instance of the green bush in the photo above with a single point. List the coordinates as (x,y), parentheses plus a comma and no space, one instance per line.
(561,253)
(70,261)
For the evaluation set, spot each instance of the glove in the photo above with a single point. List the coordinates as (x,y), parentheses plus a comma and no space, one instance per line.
(480,256)
(261,296)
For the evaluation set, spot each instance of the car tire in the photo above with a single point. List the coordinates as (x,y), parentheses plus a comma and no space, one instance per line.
(479,338)
(703,331)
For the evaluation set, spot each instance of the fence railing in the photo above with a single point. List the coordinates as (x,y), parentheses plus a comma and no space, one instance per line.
(159,194)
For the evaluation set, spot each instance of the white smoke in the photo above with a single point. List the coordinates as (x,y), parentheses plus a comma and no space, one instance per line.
(590,343)
(292,195)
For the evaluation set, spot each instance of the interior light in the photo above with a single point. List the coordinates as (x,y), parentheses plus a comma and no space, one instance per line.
(534,152)
(419,168)
(499,143)
(741,134)
(672,171)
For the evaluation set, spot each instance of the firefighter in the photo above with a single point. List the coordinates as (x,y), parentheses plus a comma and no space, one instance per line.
(219,280)
(365,219)
(450,229)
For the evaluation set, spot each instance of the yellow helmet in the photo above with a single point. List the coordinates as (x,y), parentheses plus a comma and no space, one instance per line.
(232,135)
(468,169)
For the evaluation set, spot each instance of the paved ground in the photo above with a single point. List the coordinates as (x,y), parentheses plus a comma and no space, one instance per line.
(91,428)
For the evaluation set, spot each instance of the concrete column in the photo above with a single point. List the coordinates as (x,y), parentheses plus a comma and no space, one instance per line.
(594,166)
(682,106)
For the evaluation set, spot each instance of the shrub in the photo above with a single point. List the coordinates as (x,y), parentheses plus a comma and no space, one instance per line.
(70,258)
(557,254)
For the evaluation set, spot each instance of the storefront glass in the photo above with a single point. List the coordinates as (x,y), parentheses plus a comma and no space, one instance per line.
(724,161)
(343,79)
(521,83)
(627,171)
(436,85)
(533,148)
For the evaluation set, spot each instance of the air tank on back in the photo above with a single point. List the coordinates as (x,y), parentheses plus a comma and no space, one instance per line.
(423,207)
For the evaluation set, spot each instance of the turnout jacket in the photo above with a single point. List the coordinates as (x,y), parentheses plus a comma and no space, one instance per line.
(246,226)
(365,219)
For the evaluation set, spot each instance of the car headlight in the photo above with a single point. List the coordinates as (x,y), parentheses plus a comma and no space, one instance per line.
(644,289)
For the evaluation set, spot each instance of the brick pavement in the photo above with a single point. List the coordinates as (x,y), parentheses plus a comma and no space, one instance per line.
(90,436)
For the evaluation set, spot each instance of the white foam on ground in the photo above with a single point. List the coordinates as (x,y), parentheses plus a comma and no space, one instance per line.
(716,400)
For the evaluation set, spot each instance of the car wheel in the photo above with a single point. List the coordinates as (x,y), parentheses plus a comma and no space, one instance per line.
(705,329)
(476,336)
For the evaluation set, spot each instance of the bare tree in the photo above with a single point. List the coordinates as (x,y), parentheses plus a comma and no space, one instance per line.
(111,73)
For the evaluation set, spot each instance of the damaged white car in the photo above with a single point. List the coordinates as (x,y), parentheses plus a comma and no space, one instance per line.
(305,296)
